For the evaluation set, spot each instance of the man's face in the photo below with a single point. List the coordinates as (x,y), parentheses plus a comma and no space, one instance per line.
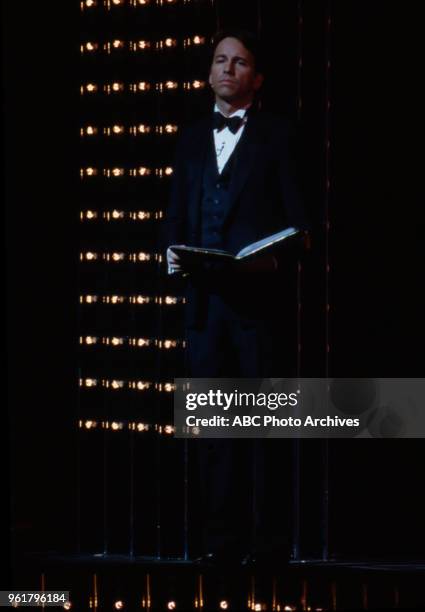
(233,77)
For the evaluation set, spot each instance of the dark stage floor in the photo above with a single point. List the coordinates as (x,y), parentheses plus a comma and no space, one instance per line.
(108,582)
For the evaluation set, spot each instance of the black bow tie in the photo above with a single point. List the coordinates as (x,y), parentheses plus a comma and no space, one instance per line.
(233,123)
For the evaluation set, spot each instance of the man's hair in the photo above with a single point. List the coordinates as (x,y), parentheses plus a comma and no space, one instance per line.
(249,40)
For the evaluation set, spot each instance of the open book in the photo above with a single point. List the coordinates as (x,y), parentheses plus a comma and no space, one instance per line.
(195,256)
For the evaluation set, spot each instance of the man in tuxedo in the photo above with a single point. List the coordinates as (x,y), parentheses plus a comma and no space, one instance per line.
(233,185)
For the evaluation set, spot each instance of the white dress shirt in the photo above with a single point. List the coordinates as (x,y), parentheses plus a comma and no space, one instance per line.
(225,141)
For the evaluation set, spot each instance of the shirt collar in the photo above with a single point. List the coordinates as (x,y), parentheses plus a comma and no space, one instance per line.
(239,113)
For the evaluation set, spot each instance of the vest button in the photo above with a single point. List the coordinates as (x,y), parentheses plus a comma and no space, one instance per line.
(218,185)
(216,202)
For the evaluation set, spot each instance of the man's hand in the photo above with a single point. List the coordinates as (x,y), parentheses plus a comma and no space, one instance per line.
(173,261)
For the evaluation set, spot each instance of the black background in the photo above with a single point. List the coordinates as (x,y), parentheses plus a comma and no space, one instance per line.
(376,319)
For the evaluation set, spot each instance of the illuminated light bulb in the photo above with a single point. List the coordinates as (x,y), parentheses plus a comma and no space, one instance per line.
(91,87)
(90,424)
(142,385)
(140,299)
(118,129)
(170,300)
(198,40)
(142,342)
(115,299)
(143,171)
(117,384)
(170,42)
(289,608)
(117,341)
(143,129)
(143,44)
(142,427)
(168,171)
(117,44)
(91,299)
(118,605)
(224,604)
(90,382)
(143,256)
(89,3)
(168,429)
(90,214)
(90,339)
(91,46)
(116,426)
(171,605)
(170,129)
(117,214)
(168,387)
(91,171)
(117,171)
(90,130)
(68,605)
(142,215)
(171,85)
(143,86)
(116,2)
(169,344)
(91,256)
(197,84)
(117,86)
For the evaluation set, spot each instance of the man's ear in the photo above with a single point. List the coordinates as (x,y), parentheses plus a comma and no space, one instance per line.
(209,78)
(258,81)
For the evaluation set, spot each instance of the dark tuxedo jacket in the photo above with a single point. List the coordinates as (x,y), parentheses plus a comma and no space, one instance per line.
(263,199)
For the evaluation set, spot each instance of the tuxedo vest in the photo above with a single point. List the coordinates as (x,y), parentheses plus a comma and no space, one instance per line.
(215,198)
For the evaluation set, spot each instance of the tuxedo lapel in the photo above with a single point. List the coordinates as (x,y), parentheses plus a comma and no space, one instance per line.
(198,154)
(246,154)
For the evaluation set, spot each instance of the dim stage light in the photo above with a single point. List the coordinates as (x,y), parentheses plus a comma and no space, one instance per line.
(141,129)
(90,171)
(142,342)
(89,382)
(90,256)
(140,86)
(90,46)
(140,215)
(117,341)
(88,299)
